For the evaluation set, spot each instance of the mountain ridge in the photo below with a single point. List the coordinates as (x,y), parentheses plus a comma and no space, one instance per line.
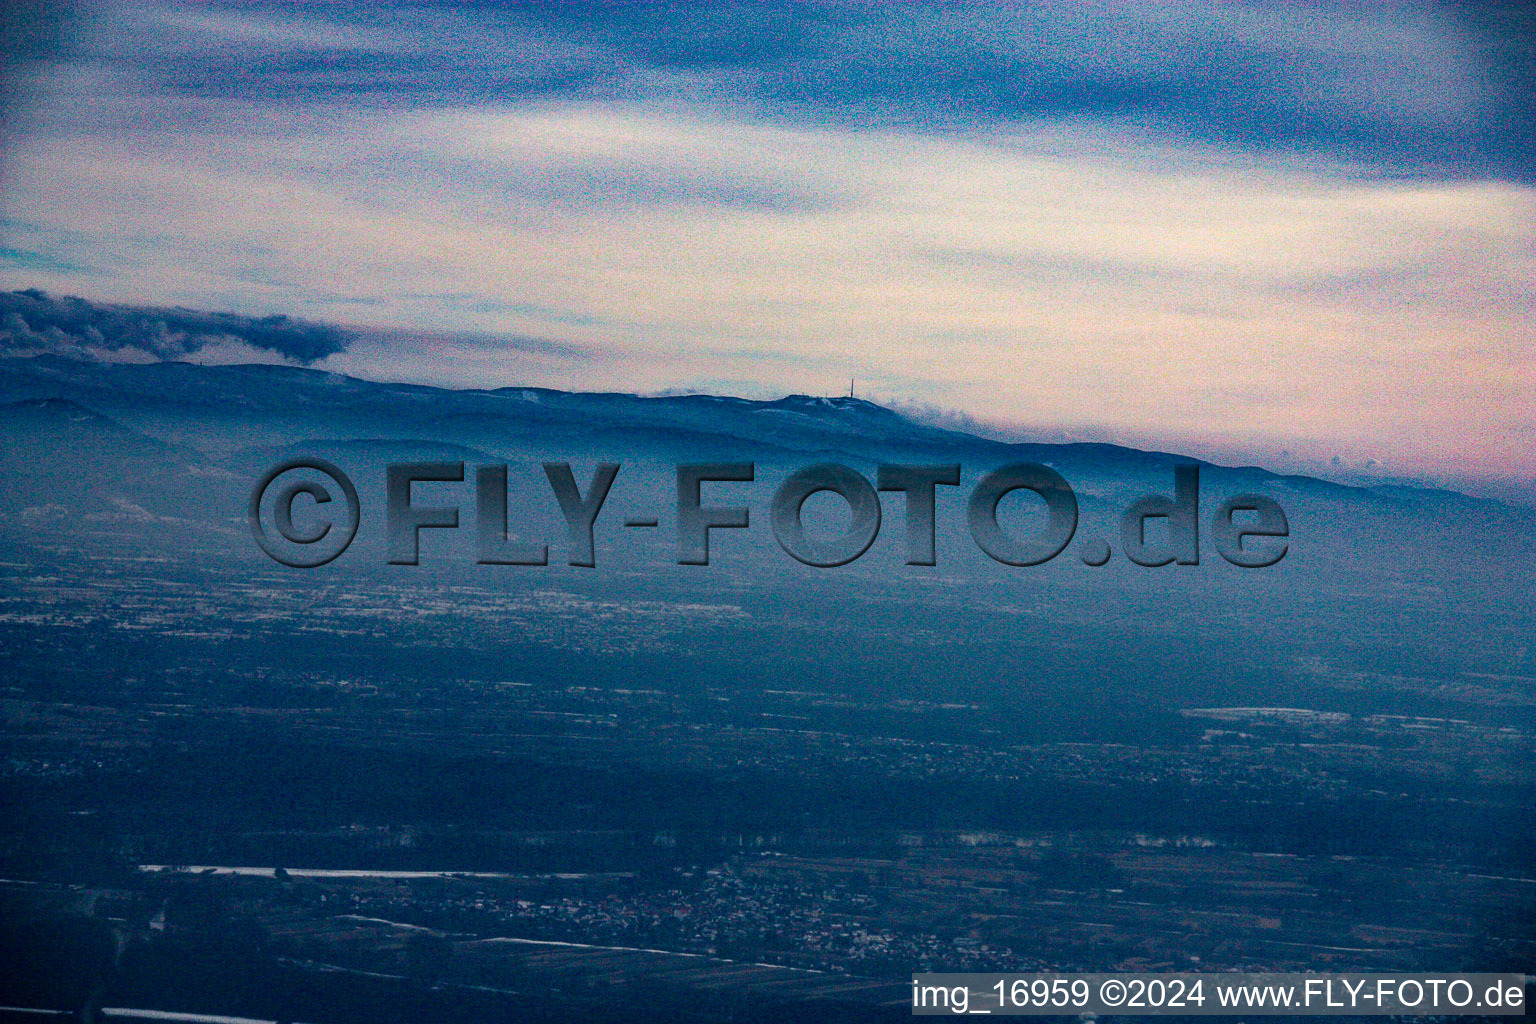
(311,405)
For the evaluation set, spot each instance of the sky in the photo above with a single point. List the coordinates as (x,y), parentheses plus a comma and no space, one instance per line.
(1273,230)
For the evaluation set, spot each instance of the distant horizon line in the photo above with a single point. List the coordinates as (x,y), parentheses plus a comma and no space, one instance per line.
(254,332)
(1361,482)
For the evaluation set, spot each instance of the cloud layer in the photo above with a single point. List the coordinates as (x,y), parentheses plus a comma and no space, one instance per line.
(1416,86)
(32,322)
(1263,225)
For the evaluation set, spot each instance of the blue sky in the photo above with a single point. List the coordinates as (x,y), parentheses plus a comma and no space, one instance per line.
(1239,227)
